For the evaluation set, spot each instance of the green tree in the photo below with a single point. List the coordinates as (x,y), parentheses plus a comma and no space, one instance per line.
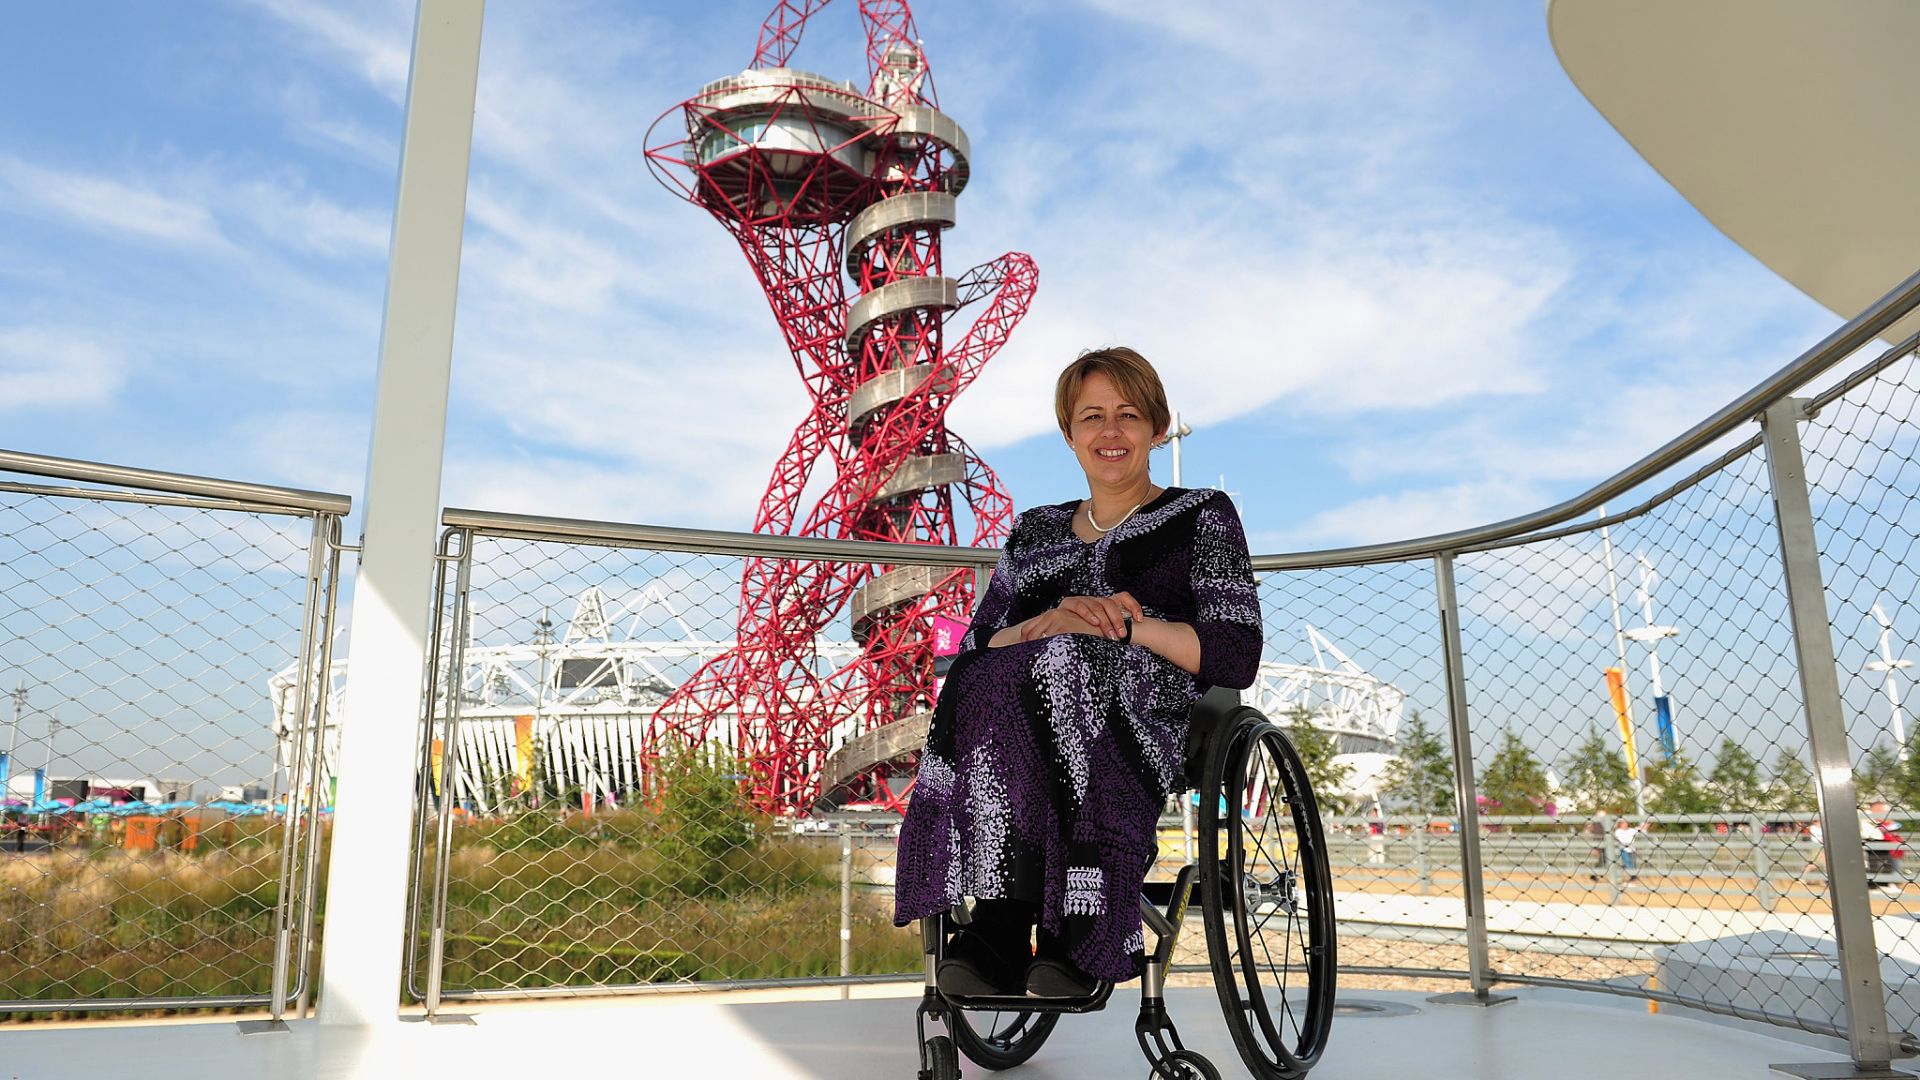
(1317,749)
(1877,774)
(1516,781)
(1677,788)
(1906,779)
(1735,781)
(1792,786)
(1598,777)
(704,818)
(1420,777)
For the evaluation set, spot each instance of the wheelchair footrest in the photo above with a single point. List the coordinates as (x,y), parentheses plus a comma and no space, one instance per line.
(1093,1002)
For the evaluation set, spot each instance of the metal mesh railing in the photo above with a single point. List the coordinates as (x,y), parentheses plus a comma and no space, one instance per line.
(154,847)
(583,830)
(1863,465)
(1664,753)
(1687,869)
(1673,859)
(1398,906)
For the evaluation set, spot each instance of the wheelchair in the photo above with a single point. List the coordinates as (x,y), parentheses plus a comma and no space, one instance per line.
(1266,900)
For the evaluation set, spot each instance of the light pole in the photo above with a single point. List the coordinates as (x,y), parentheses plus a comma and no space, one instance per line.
(1176,431)
(1889,665)
(1650,635)
(13,739)
(543,637)
(1620,649)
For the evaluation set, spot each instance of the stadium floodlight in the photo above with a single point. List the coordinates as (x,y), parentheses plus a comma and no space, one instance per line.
(1886,663)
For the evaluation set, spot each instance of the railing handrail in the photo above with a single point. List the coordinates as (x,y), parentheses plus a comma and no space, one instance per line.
(93,472)
(714,541)
(1832,349)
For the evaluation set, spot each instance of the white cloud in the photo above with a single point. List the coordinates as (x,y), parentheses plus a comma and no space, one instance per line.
(113,206)
(1417,512)
(302,221)
(376,44)
(314,448)
(43,368)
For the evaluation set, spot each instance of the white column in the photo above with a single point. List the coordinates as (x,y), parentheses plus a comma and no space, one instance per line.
(366,894)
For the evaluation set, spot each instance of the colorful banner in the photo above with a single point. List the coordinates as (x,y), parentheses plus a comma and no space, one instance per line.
(1663,715)
(439,757)
(1617,690)
(522,754)
(947,634)
(6,773)
(39,786)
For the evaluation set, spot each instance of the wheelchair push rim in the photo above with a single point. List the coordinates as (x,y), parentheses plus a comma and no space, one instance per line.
(1268,900)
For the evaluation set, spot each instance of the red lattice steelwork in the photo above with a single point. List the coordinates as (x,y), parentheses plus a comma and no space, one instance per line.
(822,184)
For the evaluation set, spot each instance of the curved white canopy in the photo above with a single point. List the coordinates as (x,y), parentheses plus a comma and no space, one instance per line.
(1788,124)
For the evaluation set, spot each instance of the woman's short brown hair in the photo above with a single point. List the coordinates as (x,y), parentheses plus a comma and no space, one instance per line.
(1136,380)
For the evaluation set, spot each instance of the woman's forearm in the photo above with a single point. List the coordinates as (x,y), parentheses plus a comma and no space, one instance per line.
(1006,636)
(1175,641)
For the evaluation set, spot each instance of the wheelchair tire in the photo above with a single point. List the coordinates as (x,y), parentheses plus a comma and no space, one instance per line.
(1267,897)
(937,1060)
(999,1040)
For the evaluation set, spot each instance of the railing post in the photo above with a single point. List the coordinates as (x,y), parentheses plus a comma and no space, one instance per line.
(1610,856)
(1472,888)
(1762,864)
(310,882)
(1422,869)
(291,838)
(1869,1043)
(449,775)
(846,908)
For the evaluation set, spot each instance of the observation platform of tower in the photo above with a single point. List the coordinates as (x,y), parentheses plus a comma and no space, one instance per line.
(564,874)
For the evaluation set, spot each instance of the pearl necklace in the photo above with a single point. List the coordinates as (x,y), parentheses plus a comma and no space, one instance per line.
(1115,525)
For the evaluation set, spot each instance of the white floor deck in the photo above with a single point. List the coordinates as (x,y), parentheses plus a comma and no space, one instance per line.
(1556,1035)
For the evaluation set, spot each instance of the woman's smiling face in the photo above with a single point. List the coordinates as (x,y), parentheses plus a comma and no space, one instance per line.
(1110,435)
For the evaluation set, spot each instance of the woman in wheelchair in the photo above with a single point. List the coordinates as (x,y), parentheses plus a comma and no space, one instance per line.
(1062,725)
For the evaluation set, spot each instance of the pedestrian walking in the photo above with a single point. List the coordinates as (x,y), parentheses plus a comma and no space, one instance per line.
(1880,835)
(1817,858)
(1623,837)
(1376,835)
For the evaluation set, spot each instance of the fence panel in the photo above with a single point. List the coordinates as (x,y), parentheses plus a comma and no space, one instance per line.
(600,831)
(157,839)
(1641,749)
(1354,667)
(1861,448)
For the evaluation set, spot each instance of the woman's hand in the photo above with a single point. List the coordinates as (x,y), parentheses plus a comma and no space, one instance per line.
(1099,616)
(1106,614)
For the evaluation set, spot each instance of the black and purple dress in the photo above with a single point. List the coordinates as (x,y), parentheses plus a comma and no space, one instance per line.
(1047,762)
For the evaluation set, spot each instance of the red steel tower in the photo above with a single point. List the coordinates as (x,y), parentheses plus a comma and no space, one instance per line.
(824,186)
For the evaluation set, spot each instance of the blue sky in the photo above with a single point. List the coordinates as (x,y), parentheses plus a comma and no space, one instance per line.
(1396,271)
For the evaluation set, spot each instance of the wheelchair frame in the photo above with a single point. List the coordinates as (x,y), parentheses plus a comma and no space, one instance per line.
(1222,736)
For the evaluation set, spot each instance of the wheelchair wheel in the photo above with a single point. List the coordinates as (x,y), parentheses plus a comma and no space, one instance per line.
(999,1040)
(937,1061)
(1268,899)
(1184,1065)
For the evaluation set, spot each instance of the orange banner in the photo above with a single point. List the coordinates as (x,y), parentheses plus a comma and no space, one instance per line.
(522,754)
(1617,690)
(439,756)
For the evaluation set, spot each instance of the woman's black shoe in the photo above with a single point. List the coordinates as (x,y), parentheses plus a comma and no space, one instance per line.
(972,967)
(1051,978)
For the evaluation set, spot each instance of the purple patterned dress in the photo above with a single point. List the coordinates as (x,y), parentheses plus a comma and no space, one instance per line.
(1047,762)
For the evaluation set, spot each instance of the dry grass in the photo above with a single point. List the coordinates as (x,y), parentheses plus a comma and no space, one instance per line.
(87,924)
